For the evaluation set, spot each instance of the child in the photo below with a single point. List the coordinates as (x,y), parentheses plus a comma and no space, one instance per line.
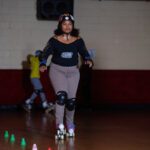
(37,85)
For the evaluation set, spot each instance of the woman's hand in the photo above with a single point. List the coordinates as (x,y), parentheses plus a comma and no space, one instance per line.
(43,68)
(89,63)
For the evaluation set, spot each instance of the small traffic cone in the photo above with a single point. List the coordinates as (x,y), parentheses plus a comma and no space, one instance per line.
(12,138)
(34,147)
(6,134)
(23,142)
(49,148)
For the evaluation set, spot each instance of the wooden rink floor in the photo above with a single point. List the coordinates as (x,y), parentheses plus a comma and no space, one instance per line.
(95,130)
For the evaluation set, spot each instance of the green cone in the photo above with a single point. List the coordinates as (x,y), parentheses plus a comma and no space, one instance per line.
(6,134)
(12,138)
(23,142)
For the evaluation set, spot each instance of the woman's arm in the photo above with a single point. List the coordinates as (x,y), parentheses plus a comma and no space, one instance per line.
(84,53)
(48,50)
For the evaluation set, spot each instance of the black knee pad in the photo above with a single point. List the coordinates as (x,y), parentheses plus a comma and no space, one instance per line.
(70,104)
(38,91)
(61,97)
(41,90)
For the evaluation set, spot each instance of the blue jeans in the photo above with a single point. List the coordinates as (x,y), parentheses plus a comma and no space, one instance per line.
(37,85)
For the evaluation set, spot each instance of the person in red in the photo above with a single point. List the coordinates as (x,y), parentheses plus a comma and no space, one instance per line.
(65,46)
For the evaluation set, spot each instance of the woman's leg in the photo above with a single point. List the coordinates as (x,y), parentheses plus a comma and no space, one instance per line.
(73,81)
(59,82)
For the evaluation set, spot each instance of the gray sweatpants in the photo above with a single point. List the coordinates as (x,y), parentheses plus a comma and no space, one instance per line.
(64,79)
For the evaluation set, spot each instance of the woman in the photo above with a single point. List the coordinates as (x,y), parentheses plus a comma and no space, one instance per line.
(64,72)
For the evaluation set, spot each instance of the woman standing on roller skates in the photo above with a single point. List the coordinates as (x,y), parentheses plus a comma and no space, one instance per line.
(65,46)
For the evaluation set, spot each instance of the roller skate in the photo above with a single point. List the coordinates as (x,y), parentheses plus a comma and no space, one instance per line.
(27,106)
(70,133)
(70,130)
(48,107)
(61,132)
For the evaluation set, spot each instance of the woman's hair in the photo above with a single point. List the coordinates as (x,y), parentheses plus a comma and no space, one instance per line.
(66,17)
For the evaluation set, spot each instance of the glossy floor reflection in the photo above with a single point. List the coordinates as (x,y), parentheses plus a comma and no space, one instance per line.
(95,130)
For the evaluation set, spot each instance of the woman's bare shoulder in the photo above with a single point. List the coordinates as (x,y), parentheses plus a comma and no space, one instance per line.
(55,37)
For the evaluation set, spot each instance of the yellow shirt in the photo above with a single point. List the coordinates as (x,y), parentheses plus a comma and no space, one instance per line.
(35,72)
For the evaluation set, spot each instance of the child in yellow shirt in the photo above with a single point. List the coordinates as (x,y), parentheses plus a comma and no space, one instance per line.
(37,85)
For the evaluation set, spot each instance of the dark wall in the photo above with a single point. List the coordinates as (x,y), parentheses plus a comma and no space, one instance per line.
(121,86)
(96,86)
